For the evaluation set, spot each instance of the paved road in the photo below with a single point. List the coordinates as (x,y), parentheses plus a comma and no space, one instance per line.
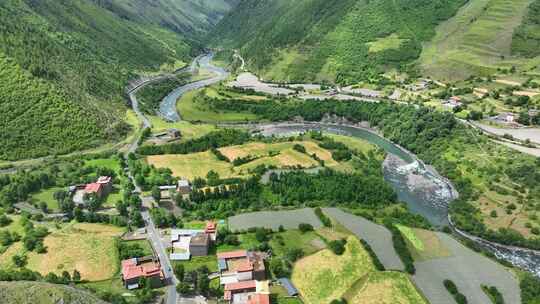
(155,239)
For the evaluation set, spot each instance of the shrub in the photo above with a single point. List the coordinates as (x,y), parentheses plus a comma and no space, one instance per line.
(305,227)
(324,219)
(378,265)
(337,246)
(401,249)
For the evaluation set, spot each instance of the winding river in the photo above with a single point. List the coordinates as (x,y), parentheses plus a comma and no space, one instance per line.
(167,108)
(420,186)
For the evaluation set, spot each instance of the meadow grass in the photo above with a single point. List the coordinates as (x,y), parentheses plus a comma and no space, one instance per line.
(47,196)
(192,165)
(89,248)
(324,276)
(191,110)
(387,287)
(109,163)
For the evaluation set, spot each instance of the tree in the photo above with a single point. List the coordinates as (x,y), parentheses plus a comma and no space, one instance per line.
(4,220)
(179,271)
(183,288)
(156,193)
(20,260)
(304,227)
(337,246)
(76,276)
(213,178)
(66,277)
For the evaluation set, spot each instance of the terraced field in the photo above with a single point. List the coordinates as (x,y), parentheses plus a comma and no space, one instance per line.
(478,39)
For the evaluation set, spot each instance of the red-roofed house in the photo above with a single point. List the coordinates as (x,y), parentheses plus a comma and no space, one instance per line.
(238,288)
(259,298)
(241,265)
(101,187)
(137,268)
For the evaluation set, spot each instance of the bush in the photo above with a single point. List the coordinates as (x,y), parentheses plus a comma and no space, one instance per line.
(337,246)
(324,219)
(305,227)
(453,290)
(378,265)
(401,249)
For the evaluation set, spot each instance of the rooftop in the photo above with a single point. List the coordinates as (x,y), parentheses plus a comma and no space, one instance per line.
(104,180)
(132,269)
(200,239)
(259,298)
(93,187)
(183,183)
(241,285)
(232,254)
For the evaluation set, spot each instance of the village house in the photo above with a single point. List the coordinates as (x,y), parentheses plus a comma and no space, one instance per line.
(453,102)
(247,292)
(101,188)
(174,133)
(241,265)
(183,187)
(133,270)
(186,243)
(506,117)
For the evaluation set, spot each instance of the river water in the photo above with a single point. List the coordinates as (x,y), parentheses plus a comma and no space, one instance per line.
(423,190)
(167,108)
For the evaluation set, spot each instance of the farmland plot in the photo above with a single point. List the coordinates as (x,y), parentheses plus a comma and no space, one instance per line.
(468,270)
(377,236)
(289,219)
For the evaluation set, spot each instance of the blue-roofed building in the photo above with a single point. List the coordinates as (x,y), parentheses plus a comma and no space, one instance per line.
(291,290)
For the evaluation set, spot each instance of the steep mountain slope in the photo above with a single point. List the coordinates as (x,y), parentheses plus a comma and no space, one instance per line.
(332,40)
(189,17)
(64,68)
(483,36)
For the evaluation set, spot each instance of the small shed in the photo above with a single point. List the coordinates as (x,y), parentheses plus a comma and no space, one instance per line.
(288,285)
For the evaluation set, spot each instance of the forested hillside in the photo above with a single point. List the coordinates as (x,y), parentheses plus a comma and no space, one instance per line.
(333,40)
(189,17)
(64,68)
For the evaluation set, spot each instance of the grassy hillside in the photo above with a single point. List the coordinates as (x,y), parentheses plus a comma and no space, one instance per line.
(526,40)
(484,35)
(343,41)
(44,293)
(190,17)
(64,67)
